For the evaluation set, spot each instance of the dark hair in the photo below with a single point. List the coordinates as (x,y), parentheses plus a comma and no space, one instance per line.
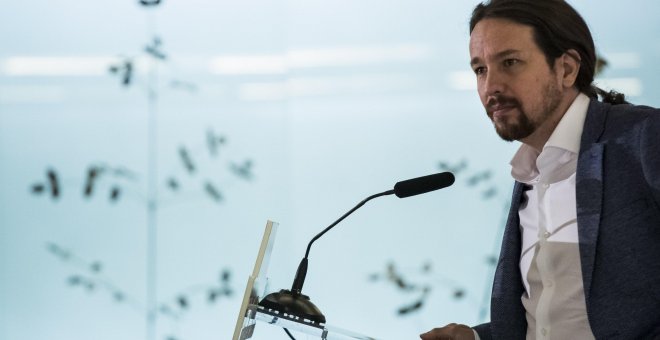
(558,27)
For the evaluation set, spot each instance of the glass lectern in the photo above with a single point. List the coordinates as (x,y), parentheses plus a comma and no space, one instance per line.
(251,315)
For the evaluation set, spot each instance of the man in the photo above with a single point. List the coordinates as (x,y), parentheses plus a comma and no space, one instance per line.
(580,257)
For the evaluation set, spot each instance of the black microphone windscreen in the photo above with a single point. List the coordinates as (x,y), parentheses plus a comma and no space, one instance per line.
(424,184)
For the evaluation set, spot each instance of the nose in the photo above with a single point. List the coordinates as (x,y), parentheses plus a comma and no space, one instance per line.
(492,83)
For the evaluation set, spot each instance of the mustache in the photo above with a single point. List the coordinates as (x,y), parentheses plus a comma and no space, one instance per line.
(498,101)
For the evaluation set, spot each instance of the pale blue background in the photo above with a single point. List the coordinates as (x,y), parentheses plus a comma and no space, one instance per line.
(321,139)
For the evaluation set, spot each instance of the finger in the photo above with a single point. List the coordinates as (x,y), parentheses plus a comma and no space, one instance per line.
(437,334)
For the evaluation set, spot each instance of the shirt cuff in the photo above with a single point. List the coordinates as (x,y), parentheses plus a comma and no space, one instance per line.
(476,335)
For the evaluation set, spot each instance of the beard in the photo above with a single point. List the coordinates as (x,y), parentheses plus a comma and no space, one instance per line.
(524,123)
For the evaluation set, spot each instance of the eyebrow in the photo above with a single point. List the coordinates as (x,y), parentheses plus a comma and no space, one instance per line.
(499,55)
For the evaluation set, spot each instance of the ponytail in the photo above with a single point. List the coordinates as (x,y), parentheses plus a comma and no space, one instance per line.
(611,97)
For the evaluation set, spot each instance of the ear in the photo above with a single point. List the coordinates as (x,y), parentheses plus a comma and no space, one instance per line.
(570,66)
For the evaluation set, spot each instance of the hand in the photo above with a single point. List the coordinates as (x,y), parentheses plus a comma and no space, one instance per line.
(450,332)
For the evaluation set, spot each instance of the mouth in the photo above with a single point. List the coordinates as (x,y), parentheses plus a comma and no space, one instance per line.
(498,112)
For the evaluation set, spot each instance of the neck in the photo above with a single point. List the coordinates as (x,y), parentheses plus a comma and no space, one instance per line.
(539,137)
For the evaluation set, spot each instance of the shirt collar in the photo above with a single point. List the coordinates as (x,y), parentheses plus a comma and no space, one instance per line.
(566,136)
(569,130)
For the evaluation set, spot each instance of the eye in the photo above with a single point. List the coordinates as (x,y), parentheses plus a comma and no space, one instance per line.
(511,62)
(479,70)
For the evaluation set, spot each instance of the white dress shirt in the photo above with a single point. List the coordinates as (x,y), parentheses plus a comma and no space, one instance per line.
(550,259)
(548,223)
(550,211)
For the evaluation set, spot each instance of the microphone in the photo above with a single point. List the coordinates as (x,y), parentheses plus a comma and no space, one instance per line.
(297,306)
(424,184)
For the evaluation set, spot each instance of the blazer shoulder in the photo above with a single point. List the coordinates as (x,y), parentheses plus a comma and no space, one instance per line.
(634,111)
(604,119)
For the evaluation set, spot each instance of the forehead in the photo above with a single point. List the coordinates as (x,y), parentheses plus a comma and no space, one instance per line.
(492,36)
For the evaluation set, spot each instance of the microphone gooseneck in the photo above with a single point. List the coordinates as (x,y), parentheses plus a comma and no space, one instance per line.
(302,268)
(292,303)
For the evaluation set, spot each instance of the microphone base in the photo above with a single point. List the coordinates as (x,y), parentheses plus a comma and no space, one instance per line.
(294,306)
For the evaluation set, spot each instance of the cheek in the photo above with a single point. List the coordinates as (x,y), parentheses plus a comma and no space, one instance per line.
(528,91)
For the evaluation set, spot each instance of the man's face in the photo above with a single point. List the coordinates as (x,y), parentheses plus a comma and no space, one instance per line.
(517,87)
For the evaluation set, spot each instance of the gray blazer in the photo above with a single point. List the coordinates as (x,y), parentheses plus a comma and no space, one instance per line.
(618,217)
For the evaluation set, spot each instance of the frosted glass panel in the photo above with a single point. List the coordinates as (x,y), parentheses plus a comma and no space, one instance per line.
(143,144)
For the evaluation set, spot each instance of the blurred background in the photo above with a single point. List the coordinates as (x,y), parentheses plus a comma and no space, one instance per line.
(144,144)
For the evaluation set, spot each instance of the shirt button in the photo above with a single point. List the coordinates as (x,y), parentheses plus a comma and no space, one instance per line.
(544,332)
(546,185)
(546,235)
(549,283)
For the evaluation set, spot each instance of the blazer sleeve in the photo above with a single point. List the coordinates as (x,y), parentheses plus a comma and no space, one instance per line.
(484,331)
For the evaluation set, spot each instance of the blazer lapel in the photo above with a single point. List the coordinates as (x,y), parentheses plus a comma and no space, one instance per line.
(589,188)
(507,313)
(508,272)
